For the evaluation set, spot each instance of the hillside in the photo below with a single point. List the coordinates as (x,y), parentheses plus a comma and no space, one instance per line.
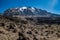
(27,30)
(29,23)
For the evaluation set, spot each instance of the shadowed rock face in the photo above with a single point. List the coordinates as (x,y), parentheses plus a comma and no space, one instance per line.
(27,29)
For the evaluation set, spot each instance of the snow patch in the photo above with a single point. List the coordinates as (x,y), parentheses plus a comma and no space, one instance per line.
(32,9)
(22,8)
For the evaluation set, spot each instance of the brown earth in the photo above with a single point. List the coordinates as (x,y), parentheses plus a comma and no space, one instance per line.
(24,30)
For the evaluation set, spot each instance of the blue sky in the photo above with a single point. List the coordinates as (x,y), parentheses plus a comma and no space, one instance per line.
(49,5)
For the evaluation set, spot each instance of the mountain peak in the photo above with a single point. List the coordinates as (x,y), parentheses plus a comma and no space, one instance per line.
(25,8)
(22,8)
(27,11)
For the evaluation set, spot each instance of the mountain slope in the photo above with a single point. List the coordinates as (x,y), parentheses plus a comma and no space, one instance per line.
(28,11)
(32,14)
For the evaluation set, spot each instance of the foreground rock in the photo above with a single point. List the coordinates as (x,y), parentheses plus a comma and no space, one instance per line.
(14,30)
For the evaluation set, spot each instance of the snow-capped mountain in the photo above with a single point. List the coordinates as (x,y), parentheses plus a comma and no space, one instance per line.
(28,11)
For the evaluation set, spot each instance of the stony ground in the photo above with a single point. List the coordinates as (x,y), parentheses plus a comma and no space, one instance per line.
(10,30)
